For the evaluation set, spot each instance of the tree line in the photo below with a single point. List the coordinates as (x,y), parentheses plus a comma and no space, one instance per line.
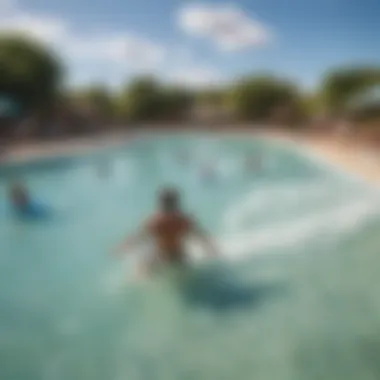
(33,78)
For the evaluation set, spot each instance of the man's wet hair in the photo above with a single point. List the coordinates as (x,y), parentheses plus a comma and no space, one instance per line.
(169,199)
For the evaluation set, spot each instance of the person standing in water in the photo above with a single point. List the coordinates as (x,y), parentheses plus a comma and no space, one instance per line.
(169,227)
(19,197)
(23,205)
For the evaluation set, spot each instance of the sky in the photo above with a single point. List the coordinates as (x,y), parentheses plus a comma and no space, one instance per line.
(200,43)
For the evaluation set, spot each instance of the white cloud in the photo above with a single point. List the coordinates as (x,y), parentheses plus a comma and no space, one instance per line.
(181,55)
(142,53)
(183,68)
(44,28)
(116,48)
(122,49)
(227,26)
(195,77)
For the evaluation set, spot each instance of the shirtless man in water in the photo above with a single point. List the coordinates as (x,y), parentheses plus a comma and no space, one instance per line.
(169,227)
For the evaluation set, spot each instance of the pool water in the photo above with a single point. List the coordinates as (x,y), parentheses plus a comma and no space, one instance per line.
(294,294)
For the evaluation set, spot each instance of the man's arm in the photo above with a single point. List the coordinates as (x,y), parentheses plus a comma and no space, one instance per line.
(204,237)
(132,240)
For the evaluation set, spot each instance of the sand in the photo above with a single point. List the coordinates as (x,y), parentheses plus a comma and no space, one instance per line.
(345,154)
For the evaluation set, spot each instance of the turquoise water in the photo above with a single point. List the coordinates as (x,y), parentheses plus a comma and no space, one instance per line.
(293,296)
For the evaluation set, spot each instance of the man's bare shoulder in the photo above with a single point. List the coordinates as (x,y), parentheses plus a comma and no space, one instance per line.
(161,218)
(185,221)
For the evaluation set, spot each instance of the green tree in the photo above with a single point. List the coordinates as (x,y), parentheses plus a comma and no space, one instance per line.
(176,103)
(145,99)
(258,98)
(142,99)
(96,100)
(215,97)
(342,85)
(29,73)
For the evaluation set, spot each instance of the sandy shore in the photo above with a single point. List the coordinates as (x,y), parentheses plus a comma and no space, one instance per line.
(341,152)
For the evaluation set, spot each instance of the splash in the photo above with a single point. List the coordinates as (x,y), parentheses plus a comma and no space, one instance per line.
(332,221)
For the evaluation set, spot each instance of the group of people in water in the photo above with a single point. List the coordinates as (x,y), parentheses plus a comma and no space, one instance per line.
(168,227)
(209,168)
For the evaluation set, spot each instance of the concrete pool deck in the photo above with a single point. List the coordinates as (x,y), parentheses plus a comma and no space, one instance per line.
(343,153)
(25,152)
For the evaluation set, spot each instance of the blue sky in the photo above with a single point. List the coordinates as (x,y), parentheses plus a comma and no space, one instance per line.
(200,43)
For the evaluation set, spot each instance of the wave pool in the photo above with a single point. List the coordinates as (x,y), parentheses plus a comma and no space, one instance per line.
(294,294)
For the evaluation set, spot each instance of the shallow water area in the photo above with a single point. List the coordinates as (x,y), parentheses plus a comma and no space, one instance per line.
(293,295)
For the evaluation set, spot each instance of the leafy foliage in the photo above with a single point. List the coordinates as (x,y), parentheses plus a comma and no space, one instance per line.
(31,77)
(257,98)
(341,85)
(29,73)
(97,100)
(146,99)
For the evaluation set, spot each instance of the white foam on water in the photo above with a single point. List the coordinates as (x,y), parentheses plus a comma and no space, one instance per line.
(292,233)
(331,222)
(269,197)
(286,238)
(115,280)
(334,221)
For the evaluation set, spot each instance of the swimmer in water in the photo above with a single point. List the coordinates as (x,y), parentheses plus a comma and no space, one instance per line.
(169,227)
(24,206)
(19,197)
